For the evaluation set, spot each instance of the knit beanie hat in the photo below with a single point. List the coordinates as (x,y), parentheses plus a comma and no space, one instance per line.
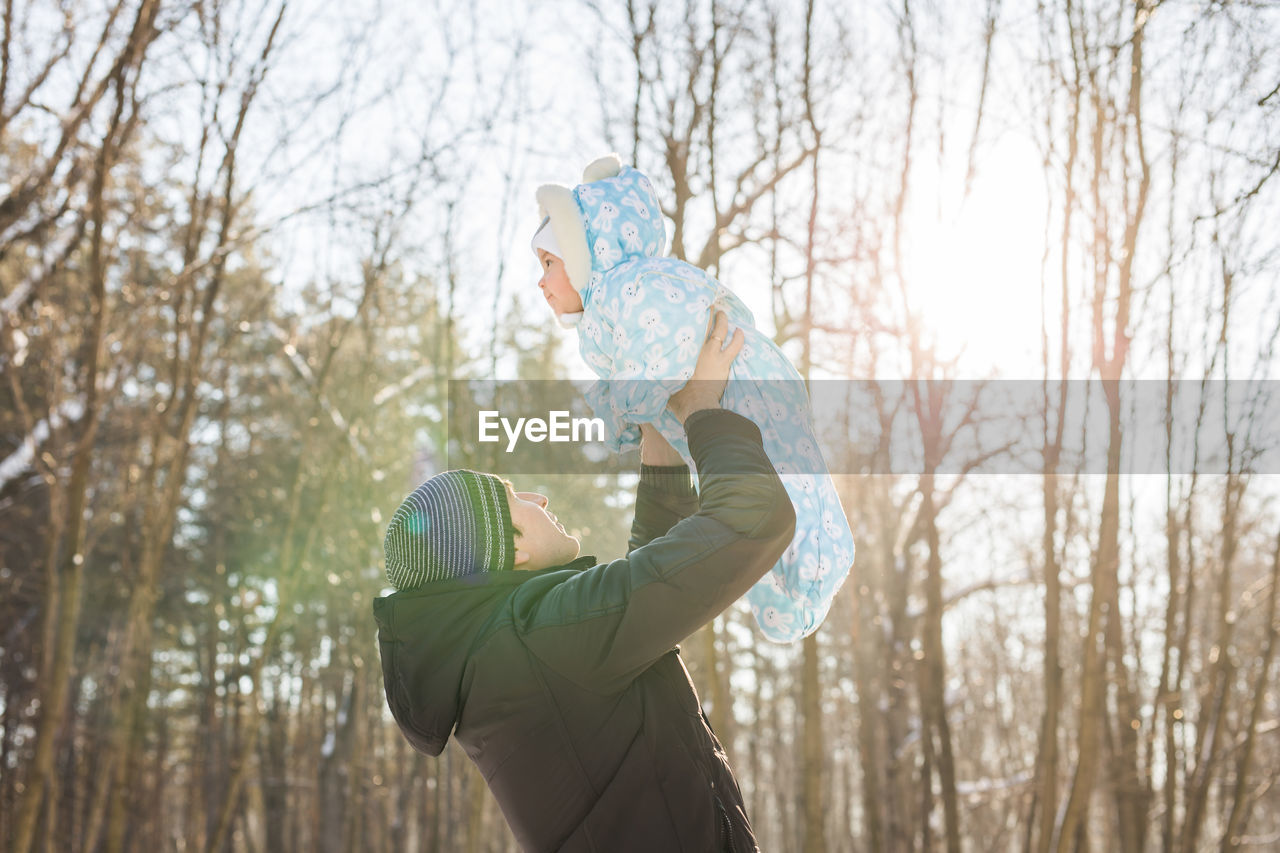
(456,524)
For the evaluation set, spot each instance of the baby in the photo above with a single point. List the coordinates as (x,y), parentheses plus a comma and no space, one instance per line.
(641,319)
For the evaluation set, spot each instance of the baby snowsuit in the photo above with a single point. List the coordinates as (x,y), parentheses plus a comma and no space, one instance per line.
(643,322)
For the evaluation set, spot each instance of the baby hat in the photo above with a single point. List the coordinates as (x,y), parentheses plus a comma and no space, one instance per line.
(456,524)
(563,222)
(545,238)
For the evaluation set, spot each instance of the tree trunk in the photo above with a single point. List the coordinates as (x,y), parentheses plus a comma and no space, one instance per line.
(868,727)
(815,836)
(935,698)
(62,606)
(1232,836)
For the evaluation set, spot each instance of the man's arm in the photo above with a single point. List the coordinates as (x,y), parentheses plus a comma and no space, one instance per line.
(604,626)
(665,494)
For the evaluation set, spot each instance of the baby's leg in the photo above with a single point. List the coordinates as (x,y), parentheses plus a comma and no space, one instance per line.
(793,599)
(781,618)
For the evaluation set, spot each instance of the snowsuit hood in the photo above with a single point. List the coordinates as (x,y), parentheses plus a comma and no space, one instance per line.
(610,219)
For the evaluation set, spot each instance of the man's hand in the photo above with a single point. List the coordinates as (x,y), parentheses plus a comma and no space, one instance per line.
(710,373)
(655,449)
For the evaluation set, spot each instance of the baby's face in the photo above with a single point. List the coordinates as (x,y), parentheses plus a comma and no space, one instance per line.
(555,285)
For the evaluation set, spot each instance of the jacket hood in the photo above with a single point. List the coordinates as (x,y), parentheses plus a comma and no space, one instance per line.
(612,217)
(427,636)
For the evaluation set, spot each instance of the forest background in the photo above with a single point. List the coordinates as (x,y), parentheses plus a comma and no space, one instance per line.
(244,246)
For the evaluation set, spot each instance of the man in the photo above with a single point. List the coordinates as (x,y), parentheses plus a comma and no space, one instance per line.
(560,678)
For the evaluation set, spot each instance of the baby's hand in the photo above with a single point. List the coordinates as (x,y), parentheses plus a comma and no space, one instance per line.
(710,373)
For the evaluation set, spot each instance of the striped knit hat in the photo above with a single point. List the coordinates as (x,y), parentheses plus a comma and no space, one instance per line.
(456,524)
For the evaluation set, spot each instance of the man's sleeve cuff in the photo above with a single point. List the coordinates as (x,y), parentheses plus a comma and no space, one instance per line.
(669,479)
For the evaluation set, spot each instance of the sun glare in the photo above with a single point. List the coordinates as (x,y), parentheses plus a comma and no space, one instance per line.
(974,265)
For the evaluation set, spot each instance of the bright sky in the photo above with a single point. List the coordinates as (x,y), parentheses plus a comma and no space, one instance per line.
(976,266)
(974,263)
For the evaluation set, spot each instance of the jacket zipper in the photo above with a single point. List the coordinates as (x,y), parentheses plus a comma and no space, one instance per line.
(725,825)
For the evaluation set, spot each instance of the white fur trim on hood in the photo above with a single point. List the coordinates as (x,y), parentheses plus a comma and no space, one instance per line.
(558,203)
(567,232)
(569,321)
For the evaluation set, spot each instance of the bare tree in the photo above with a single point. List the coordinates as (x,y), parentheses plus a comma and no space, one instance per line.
(65,550)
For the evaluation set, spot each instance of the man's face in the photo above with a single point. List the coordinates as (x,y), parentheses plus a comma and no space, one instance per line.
(555,285)
(541,540)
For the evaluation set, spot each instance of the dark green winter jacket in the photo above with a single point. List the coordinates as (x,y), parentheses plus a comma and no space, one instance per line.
(564,686)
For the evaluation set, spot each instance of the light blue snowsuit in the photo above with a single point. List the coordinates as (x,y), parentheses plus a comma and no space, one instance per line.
(644,320)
